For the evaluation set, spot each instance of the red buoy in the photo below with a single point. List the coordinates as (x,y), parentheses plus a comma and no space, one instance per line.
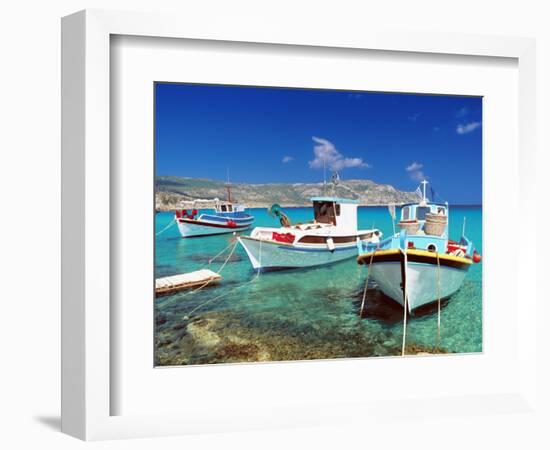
(476,257)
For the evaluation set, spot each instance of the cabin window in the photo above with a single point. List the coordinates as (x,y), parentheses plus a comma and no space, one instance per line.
(229,208)
(326,212)
(223,208)
(421,212)
(406,213)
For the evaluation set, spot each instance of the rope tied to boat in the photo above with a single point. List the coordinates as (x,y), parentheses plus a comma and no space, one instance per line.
(172,222)
(207,282)
(225,294)
(211,260)
(367,282)
(405,302)
(188,315)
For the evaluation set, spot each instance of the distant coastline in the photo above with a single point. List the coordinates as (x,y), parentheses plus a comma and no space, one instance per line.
(170,191)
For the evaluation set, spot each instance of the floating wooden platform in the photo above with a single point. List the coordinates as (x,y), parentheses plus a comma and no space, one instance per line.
(169,285)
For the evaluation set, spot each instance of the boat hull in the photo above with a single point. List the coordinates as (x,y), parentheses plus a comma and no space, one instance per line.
(195,228)
(426,280)
(268,255)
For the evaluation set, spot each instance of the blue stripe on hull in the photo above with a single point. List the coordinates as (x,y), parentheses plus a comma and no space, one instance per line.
(242,221)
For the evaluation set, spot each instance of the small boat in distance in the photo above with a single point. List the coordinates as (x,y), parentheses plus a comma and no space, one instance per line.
(332,236)
(420,264)
(228,217)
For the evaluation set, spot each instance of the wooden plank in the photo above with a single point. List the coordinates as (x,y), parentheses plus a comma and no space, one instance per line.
(174,283)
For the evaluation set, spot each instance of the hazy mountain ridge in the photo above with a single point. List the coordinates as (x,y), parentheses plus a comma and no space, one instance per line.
(170,190)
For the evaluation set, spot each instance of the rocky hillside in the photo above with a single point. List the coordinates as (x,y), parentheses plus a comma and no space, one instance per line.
(171,190)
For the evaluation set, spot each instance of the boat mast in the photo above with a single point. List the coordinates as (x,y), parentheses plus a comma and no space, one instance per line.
(228,187)
(424,183)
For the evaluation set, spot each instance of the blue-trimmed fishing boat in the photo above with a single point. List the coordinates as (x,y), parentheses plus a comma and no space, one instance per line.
(419,264)
(220,217)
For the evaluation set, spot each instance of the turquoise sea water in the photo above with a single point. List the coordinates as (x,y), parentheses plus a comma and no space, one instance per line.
(301,314)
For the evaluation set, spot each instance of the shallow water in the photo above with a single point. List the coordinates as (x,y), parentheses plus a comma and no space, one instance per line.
(301,314)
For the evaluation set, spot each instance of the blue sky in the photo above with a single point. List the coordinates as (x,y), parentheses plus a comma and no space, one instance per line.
(264,135)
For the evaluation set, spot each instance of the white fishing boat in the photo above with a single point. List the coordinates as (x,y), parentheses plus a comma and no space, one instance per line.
(420,264)
(332,236)
(226,217)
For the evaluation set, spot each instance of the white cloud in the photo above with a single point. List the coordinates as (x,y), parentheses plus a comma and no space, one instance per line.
(326,154)
(414,117)
(414,166)
(415,171)
(467,127)
(288,159)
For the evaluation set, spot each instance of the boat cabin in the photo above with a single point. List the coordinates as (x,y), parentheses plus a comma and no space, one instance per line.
(228,208)
(418,211)
(336,211)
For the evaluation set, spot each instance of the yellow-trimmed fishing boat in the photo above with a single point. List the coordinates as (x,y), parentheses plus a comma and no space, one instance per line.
(420,264)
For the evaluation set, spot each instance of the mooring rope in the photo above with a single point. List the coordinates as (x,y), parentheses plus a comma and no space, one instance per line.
(202,286)
(367,283)
(211,260)
(405,302)
(188,315)
(166,227)
(207,282)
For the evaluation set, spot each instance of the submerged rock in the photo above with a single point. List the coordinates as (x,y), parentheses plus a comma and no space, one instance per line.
(226,337)
(201,333)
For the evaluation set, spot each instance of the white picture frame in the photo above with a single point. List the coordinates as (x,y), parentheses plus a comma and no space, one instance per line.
(86,246)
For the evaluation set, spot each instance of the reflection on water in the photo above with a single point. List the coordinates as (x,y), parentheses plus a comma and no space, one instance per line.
(300,314)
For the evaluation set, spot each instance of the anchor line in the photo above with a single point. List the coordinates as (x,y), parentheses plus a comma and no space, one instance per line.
(166,227)
(405,301)
(367,282)
(207,282)
(211,260)
(187,316)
